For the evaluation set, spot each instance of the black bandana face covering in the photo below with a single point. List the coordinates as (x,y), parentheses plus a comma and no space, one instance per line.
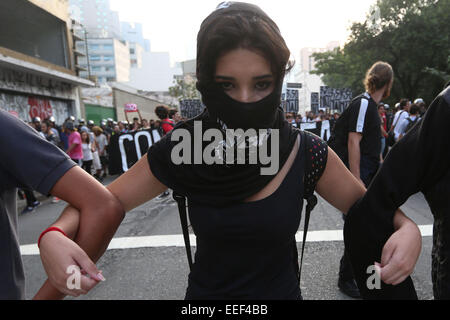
(240,115)
(223,184)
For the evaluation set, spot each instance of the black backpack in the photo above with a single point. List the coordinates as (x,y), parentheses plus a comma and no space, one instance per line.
(308,196)
(411,124)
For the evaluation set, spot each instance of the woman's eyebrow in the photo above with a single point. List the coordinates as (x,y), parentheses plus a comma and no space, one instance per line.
(224,78)
(255,78)
(263,77)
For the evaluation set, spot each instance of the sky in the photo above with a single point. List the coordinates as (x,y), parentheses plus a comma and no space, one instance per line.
(172,25)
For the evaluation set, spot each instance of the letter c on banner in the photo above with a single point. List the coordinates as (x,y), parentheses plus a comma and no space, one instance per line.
(123,152)
(136,142)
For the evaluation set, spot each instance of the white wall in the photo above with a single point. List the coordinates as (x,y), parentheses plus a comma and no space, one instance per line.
(156,73)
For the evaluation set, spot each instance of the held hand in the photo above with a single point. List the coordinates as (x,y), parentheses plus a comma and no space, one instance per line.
(62,259)
(400,254)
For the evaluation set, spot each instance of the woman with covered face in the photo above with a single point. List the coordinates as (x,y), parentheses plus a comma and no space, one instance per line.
(245,221)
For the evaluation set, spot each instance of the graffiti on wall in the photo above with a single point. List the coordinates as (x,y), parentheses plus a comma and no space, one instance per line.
(29,107)
(28,83)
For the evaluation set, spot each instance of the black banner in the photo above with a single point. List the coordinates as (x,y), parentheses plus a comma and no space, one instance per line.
(127,148)
(315,102)
(190,108)
(335,99)
(290,101)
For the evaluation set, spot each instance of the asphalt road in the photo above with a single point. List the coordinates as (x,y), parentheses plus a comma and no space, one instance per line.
(160,273)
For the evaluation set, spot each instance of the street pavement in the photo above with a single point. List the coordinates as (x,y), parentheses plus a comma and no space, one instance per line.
(159,271)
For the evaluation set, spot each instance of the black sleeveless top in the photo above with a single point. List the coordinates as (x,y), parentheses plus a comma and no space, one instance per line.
(245,251)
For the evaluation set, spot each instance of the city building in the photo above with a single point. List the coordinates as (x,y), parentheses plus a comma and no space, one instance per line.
(301,73)
(38,76)
(109,59)
(133,33)
(97,17)
(156,73)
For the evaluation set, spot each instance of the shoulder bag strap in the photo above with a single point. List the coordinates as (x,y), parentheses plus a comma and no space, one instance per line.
(181,200)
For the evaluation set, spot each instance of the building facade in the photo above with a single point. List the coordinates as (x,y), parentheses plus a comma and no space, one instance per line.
(37,66)
(97,17)
(106,59)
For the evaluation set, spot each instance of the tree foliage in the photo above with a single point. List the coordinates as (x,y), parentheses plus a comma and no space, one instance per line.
(184,90)
(411,35)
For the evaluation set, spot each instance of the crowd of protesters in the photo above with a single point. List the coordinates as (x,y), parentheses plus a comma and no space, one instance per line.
(86,143)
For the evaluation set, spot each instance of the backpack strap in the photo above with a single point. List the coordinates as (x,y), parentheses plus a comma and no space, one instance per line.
(181,200)
(316,153)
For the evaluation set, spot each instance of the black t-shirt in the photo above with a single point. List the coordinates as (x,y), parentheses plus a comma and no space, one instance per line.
(28,161)
(361,116)
(419,162)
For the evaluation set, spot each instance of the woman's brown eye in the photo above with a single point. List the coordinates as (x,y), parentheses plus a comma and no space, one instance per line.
(263,85)
(226,85)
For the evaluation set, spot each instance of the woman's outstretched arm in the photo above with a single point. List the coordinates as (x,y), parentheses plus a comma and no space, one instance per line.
(93,217)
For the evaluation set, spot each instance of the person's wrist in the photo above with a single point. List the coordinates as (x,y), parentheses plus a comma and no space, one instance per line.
(47,231)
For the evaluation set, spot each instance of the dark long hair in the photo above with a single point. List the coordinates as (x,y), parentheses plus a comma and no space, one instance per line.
(240,25)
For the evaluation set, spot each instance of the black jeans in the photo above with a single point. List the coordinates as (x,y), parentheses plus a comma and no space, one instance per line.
(29,196)
(87,165)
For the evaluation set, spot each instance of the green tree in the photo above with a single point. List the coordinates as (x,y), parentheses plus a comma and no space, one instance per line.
(411,35)
(184,90)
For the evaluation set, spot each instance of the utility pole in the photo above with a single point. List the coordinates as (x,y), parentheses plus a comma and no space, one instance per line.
(87,53)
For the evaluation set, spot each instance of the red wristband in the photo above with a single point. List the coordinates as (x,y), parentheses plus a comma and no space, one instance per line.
(48,230)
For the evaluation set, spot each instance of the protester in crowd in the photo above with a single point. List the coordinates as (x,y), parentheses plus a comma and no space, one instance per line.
(32,202)
(81,124)
(145,124)
(177,117)
(407,124)
(401,115)
(102,143)
(309,117)
(123,126)
(116,130)
(49,134)
(64,136)
(422,106)
(55,128)
(167,124)
(241,64)
(36,125)
(419,162)
(88,148)
(289,117)
(36,164)
(298,120)
(135,126)
(152,124)
(357,142)
(384,135)
(75,150)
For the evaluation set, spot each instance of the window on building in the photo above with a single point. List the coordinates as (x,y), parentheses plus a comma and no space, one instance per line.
(108,58)
(95,58)
(94,47)
(132,51)
(96,68)
(107,46)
